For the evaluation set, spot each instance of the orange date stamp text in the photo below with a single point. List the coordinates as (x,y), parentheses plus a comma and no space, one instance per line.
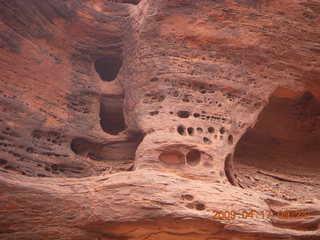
(263,214)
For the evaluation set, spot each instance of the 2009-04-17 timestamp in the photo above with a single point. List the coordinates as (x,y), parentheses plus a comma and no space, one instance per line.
(263,214)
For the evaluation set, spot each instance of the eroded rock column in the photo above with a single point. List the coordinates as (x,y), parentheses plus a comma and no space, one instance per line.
(192,102)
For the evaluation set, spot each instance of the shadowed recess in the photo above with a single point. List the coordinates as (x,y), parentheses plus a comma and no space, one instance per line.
(111,115)
(108,67)
(172,157)
(193,157)
(284,136)
(134,2)
(122,151)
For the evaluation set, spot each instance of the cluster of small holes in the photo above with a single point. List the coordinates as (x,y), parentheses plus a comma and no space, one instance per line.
(51,137)
(219,118)
(193,204)
(198,62)
(241,124)
(152,98)
(199,206)
(79,103)
(199,92)
(209,93)
(20,159)
(183,131)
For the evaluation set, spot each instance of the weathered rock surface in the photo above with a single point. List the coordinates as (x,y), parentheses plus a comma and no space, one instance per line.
(143,119)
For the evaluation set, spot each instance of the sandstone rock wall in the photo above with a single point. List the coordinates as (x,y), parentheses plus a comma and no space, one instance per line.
(121,119)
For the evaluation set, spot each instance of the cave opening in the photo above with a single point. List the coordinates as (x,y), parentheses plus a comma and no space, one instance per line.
(108,67)
(111,115)
(284,144)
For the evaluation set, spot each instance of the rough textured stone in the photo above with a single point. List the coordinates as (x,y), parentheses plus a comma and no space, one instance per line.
(139,119)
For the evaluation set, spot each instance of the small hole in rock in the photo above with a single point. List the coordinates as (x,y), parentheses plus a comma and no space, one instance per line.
(193,157)
(54,167)
(3,161)
(187,197)
(222,130)
(181,130)
(154,79)
(9,167)
(92,156)
(196,115)
(230,139)
(200,206)
(189,205)
(183,114)
(190,131)
(211,130)
(199,130)
(207,140)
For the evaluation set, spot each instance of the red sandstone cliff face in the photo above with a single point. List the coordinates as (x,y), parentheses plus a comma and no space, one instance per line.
(140,119)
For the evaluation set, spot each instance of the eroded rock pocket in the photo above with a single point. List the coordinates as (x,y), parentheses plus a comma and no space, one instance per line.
(113,157)
(108,67)
(111,115)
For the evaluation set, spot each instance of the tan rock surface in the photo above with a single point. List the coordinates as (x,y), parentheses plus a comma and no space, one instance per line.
(122,119)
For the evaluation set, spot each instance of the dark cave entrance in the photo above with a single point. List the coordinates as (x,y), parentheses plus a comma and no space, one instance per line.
(111,115)
(285,142)
(108,67)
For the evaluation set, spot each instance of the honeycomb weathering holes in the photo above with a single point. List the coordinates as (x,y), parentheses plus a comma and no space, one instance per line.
(193,157)
(108,67)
